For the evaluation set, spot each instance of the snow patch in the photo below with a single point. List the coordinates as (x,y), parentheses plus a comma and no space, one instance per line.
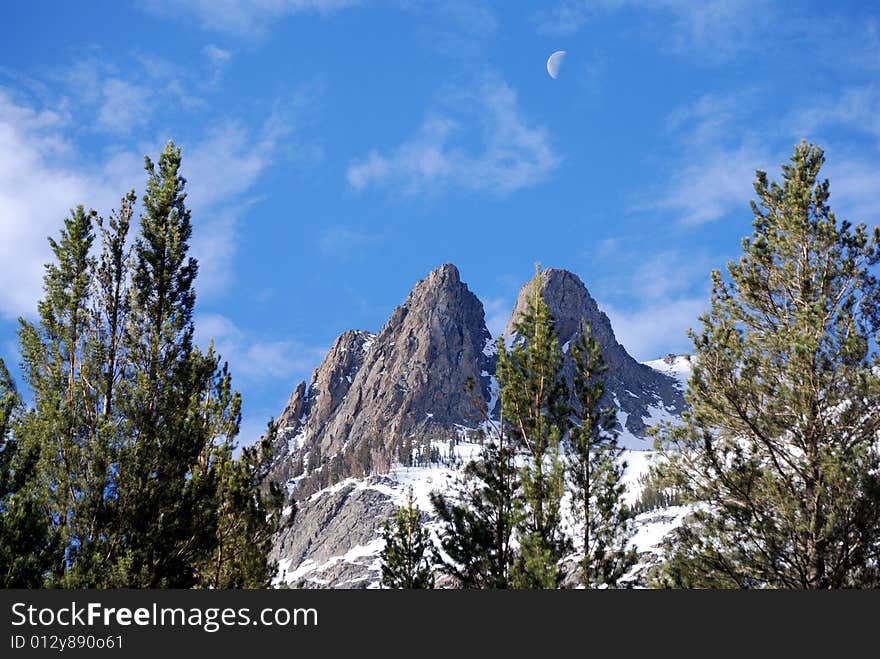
(678,367)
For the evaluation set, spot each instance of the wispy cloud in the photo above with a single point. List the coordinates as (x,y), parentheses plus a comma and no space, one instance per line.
(245,18)
(513,153)
(717,145)
(856,108)
(216,54)
(121,96)
(716,153)
(252,358)
(44,173)
(657,329)
(665,294)
(223,170)
(717,28)
(42,176)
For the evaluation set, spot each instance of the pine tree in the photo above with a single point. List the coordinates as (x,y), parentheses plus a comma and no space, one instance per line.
(596,473)
(779,451)
(122,474)
(249,515)
(180,410)
(111,297)
(479,518)
(534,399)
(26,548)
(59,356)
(406,555)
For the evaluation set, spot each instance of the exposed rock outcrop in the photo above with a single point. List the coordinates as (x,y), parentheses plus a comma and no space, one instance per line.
(641,395)
(374,396)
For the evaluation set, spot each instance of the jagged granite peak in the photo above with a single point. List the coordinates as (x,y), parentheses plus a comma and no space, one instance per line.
(641,394)
(309,410)
(414,375)
(406,383)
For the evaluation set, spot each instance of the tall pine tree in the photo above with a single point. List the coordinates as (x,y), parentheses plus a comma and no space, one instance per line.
(534,399)
(779,451)
(59,356)
(122,474)
(167,485)
(596,473)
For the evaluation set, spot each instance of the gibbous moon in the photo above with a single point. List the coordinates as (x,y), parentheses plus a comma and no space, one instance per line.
(554,63)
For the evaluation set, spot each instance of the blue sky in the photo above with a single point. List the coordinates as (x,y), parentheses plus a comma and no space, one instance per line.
(339,150)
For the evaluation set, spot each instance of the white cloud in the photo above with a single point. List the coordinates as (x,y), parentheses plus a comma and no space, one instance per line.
(661,299)
(247,18)
(655,330)
(512,153)
(253,359)
(713,184)
(121,97)
(856,108)
(222,170)
(124,106)
(42,176)
(714,155)
(216,54)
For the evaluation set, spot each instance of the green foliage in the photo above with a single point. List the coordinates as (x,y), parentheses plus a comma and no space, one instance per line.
(122,474)
(247,519)
(779,450)
(655,494)
(406,555)
(26,549)
(534,400)
(478,520)
(60,366)
(596,473)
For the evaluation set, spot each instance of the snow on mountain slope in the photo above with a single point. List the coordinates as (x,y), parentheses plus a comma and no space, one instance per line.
(679,367)
(356,564)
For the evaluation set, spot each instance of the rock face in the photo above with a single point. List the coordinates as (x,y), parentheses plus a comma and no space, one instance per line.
(641,395)
(309,411)
(326,529)
(374,397)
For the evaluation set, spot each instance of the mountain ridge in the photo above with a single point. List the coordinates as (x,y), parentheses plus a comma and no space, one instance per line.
(414,396)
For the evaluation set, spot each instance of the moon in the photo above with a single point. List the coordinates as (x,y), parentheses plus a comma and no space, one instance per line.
(554,62)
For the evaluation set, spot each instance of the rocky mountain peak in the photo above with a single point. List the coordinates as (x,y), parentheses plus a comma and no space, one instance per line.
(377,397)
(640,393)
(377,401)
(570,302)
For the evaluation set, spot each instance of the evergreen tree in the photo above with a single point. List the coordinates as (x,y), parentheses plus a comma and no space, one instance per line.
(26,550)
(60,367)
(779,451)
(596,473)
(534,399)
(478,520)
(405,557)
(111,297)
(167,484)
(122,474)
(249,513)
